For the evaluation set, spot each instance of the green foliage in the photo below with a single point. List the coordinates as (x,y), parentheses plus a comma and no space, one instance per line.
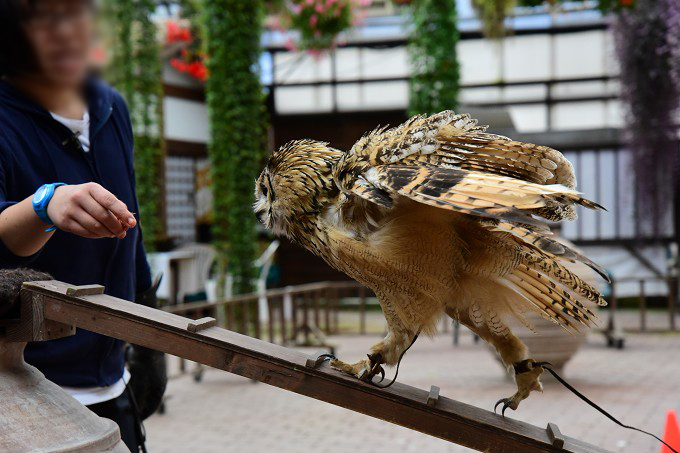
(136,72)
(434,83)
(237,117)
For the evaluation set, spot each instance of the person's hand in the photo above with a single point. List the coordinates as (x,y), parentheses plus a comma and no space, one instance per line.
(90,211)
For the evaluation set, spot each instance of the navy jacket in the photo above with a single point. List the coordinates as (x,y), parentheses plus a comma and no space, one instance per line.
(36,149)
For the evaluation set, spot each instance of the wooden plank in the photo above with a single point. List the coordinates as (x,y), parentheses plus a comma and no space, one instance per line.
(285,368)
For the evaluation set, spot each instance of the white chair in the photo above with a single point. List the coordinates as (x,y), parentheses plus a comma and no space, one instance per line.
(201,266)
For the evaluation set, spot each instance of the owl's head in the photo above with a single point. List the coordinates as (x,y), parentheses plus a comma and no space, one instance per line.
(295,185)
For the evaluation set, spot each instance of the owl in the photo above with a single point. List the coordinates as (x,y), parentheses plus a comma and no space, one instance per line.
(438,217)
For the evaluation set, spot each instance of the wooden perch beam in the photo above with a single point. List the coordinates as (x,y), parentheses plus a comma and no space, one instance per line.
(420,410)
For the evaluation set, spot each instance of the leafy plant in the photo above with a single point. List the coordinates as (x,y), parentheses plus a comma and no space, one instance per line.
(434,83)
(237,117)
(135,71)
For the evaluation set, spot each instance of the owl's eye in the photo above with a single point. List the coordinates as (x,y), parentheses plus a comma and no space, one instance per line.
(264,189)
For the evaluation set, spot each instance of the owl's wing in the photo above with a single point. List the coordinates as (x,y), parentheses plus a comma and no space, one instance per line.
(447,161)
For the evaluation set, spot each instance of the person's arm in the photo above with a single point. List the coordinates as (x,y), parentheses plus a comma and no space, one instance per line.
(87,210)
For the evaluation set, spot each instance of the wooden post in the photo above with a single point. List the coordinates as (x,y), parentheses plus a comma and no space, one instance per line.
(672,288)
(258,321)
(362,310)
(287,369)
(293,318)
(327,311)
(317,311)
(245,308)
(270,321)
(643,306)
(34,326)
(305,316)
(230,315)
(336,311)
(282,317)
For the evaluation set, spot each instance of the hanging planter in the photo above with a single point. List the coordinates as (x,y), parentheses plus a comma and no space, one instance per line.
(318,22)
(648,49)
(493,13)
(187,56)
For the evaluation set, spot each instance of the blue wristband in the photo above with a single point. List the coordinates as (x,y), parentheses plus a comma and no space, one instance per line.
(41,199)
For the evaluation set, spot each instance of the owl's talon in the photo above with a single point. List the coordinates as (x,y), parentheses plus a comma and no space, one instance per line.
(322,358)
(375,367)
(527,373)
(507,403)
(382,374)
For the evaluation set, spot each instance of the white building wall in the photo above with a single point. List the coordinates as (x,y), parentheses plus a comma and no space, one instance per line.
(523,58)
(185,120)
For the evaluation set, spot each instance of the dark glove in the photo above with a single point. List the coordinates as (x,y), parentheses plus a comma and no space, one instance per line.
(148,374)
(10,285)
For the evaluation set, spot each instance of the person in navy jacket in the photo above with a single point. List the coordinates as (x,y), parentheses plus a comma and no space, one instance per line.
(67,190)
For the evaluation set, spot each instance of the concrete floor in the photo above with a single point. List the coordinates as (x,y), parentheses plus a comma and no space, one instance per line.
(227,413)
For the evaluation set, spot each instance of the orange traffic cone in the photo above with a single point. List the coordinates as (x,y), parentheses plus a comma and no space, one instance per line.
(671,433)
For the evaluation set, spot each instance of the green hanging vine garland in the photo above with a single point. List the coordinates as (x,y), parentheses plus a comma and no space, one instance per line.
(435,79)
(237,117)
(136,72)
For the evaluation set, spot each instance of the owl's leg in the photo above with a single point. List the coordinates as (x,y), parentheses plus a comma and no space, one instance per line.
(513,353)
(387,352)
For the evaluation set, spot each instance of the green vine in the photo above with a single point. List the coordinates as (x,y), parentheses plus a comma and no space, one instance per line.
(235,102)
(434,83)
(136,72)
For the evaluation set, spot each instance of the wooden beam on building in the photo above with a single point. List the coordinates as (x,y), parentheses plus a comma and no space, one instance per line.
(417,409)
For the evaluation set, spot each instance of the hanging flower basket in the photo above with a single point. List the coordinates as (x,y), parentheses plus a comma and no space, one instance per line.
(187,58)
(319,22)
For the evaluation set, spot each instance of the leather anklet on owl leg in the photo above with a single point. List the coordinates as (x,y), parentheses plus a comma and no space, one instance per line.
(526,376)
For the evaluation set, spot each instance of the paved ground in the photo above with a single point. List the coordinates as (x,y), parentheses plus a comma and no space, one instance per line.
(226,413)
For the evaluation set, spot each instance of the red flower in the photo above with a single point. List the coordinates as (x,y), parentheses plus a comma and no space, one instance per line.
(176,33)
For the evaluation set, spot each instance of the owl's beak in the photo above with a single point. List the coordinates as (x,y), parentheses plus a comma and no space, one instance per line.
(260,216)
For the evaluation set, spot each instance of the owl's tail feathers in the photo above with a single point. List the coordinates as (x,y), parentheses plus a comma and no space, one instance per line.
(552,268)
(548,286)
(542,241)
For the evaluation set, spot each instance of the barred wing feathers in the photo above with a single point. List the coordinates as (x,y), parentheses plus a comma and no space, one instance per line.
(447,161)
